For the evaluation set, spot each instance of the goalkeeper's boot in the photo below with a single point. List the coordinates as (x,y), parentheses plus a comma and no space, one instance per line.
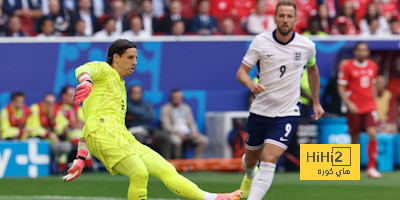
(246,185)
(236,195)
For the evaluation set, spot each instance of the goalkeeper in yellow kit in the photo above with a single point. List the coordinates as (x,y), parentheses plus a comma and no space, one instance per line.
(102,90)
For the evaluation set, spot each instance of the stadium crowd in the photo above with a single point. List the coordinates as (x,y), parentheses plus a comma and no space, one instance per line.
(61,124)
(144,18)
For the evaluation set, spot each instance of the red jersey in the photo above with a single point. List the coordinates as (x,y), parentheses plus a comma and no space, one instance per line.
(220,8)
(244,7)
(388,8)
(271,4)
(240,8)
(359,78)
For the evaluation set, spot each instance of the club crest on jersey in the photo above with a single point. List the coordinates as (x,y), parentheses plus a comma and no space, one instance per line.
(297,55)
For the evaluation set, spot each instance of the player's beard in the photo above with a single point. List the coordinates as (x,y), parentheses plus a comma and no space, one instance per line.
(285,33)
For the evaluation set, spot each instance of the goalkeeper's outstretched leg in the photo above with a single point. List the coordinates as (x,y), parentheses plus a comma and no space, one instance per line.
(158,167)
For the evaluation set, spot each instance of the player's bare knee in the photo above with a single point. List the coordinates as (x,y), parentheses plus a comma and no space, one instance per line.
(270,158)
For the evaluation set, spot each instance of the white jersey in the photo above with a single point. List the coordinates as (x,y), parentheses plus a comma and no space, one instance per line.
(280,69)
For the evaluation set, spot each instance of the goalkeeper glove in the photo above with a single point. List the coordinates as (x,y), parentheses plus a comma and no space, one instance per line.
(83,89)
(77,166)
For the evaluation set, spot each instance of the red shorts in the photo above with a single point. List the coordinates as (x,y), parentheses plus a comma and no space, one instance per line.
(359,122)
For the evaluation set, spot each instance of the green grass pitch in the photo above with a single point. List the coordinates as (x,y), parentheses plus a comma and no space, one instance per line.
(286,186)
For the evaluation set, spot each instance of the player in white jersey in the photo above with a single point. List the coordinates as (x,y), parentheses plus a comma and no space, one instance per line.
(282,56)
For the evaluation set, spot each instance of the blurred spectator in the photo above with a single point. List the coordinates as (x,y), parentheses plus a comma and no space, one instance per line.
(271,4)
(331,6)
(28,11)
(305,10)
(220,8)
(46,28)
(358,8)
(177,119)
(69,5)
(74,114)
(388,8)
(349,13)
(100,7)
(373,28)
(139,118)
(25,8)
(13,118)
(237,137)
(118,13)
(84,13)
(228,27)
(136,29)
(324,19)
(342,26)
(374,23)
(259,22)
(385,107)
(149,20)
(178,28)
(108,29)
(133,6)
(203,23)
(394,26)
(158,7)
(174,15)
(79,28)
(243,8)
(314,28)
(60,18)
(2,19)
(14,27)
(47,122)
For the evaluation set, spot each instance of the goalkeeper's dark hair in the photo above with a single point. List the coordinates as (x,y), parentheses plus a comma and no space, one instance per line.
(119,47)
(17,94)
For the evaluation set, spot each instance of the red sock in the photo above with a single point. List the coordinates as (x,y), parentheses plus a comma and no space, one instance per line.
(372,154)
(89,163)
(62,166)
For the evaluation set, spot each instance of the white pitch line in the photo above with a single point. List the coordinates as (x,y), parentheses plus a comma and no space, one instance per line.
(54,197)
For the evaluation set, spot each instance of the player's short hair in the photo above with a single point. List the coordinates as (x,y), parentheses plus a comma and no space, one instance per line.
(135,85)
(49,95)
(64,90)
(173,91)
(108,19)
(286,3)
(358,44)
(119,47)
(17,94)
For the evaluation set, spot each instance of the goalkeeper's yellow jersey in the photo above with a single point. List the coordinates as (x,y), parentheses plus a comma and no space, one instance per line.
(106,103)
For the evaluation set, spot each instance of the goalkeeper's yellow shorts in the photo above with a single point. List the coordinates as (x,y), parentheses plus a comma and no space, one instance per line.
(111,145)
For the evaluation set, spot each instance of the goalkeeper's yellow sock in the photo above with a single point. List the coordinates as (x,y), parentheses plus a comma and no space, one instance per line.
(133,167)
(158,167)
